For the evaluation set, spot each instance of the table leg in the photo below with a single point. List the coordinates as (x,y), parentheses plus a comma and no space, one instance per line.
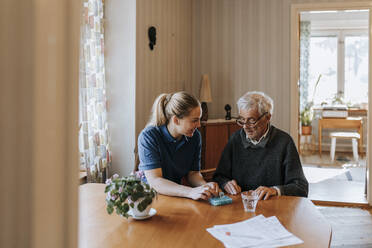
(360,141)
(320,139)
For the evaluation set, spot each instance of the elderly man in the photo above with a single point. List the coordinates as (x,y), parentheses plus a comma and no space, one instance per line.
(260,156)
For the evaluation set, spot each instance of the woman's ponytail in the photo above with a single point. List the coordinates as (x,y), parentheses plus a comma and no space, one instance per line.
(165,106)
(158,116)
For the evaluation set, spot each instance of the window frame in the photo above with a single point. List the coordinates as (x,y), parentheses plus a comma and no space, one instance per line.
(340,34)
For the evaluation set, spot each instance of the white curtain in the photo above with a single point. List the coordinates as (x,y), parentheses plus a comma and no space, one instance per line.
(95,154)
(305,35)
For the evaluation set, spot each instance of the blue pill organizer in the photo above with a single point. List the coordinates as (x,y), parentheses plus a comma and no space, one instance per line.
(218,201)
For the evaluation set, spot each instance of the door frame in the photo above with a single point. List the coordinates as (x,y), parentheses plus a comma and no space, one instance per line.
(295,64)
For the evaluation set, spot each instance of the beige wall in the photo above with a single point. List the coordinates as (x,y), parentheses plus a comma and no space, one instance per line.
(39,123)
(244,45)
(15,128)
(135,75)
(120,56)
(168,67)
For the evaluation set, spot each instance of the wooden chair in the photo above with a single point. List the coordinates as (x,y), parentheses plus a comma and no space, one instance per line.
(354,136)
(208,174)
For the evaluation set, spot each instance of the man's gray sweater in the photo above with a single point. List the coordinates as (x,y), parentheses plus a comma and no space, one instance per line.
(272,162)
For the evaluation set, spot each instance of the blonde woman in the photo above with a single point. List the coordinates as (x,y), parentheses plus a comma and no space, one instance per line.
(169,148)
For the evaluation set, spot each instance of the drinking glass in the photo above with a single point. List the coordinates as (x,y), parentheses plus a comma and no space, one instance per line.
(250,199)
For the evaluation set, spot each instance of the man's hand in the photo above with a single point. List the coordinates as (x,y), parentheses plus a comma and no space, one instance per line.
(265,192)
(231,187)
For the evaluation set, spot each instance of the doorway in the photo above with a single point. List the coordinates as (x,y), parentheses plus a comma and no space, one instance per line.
(330,81)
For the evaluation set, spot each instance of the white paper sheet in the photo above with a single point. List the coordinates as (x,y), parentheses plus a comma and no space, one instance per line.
(254,232)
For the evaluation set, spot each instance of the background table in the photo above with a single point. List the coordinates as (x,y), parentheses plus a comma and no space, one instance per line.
(181,222)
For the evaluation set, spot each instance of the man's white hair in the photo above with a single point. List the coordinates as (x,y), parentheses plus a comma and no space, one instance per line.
(256,100)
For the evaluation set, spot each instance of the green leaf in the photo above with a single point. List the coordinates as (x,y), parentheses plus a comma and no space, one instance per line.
(139,188)
(110,209)
(107,189)
(125,208)
(136,195)
(118,211)
(141,207)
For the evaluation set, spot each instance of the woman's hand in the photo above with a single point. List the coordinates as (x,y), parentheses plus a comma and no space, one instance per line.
(202,192)
(231,187)
(214,189)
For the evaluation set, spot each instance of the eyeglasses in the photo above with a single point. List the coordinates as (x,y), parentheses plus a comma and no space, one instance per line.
(250,121)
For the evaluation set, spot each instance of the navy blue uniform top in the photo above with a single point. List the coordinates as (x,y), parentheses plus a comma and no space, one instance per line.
(158,149)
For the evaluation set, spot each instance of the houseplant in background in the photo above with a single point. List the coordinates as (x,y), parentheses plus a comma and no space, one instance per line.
(306,118)
(128,196)
(307,113)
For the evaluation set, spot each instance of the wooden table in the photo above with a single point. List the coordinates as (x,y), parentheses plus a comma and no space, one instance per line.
(341,123)
(181,222)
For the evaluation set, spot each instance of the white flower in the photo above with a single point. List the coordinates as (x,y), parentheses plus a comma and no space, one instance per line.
(108,196)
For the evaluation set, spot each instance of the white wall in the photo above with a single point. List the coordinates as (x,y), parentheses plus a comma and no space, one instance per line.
(120,55)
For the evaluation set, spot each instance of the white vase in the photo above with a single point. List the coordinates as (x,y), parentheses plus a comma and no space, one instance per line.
(135,211)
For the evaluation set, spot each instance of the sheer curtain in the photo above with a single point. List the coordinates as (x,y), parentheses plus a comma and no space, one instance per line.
(305,35)
(94,147)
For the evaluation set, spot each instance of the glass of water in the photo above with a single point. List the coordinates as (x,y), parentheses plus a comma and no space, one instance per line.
(250,199)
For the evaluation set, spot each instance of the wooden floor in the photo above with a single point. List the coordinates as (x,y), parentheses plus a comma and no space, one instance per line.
(341,182)
(351,227)
(341,158)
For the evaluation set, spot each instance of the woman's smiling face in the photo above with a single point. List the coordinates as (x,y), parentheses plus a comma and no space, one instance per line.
(188,124)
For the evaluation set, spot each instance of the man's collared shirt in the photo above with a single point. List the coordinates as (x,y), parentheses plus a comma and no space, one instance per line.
(262,137)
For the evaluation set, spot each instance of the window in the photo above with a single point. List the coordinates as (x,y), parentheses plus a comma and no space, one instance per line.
(323,60)
(356,69)
(341,57)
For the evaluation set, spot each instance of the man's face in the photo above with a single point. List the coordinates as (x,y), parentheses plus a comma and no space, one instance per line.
(255,124)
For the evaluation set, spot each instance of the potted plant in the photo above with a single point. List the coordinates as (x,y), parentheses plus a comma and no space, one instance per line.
(307,114)
(306,118)
(128,193)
